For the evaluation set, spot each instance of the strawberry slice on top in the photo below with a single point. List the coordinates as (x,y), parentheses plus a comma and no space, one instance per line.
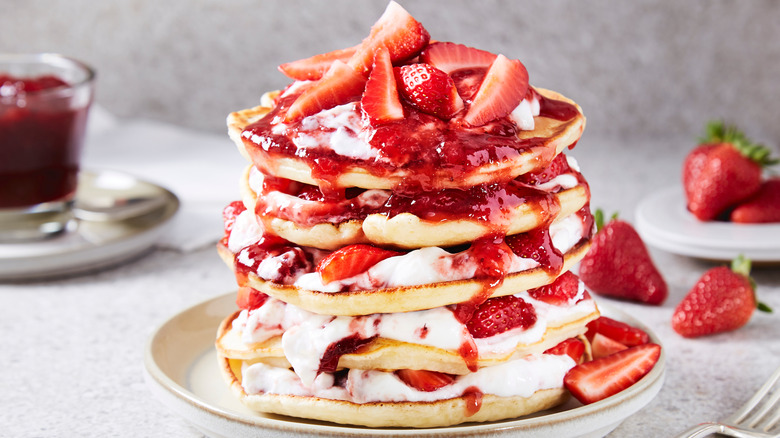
(339,85)
(311,69)
(596,380)
(449,57)
(402,35)
(429,89)
(380,101)
(503,88)
(350,261)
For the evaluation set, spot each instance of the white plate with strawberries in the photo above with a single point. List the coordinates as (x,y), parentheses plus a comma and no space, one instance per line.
(664,222)
(182,372)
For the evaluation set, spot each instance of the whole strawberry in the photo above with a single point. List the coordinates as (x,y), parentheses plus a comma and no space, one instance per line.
(722,300)
(762,207)
(722,171)
(619,265)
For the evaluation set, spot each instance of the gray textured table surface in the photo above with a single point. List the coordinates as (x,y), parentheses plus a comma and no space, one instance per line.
(72,348)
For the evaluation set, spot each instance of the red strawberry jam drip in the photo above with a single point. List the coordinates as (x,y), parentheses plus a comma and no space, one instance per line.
(473,397)
(486,203)
(294,262)
(351,344)
(421,144)
(537,245)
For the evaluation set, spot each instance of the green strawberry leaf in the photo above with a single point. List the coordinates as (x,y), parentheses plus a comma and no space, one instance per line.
(718,132)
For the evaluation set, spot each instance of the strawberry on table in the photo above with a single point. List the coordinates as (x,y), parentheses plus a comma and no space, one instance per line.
(598,379)
(723,299)
(763,207)
(619,265)
(380,101)
(350,261)
(722,171)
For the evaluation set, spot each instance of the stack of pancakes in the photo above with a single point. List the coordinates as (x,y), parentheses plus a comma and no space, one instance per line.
(397,342)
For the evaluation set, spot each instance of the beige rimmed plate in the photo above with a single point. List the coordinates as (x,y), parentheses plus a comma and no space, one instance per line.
(181,371)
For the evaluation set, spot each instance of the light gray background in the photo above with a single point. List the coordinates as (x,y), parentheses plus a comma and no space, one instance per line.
(639,69)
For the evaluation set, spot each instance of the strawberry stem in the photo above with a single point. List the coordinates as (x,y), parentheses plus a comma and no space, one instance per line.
(598,218)
(718,132)
(741,265)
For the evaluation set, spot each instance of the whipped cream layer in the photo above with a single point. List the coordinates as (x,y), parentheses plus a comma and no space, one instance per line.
(519,377)
(307,336)
(422,266)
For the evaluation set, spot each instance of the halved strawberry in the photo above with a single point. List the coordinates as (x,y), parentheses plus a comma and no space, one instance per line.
(249,298)
(560,291)
(573,347)
(424,380)
(229,214)
(618,331)
(598,379)
(350,261)
(503,88)
(449,57)
(602,346)
(428,89)
(397,30)
(311,69)
(380,101)
(339,85)
(501,314)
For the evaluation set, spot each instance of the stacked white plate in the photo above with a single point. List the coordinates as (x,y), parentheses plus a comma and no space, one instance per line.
(664,222)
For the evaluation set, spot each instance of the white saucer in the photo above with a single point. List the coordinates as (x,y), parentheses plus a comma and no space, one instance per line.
(86,245)
(664,222)
(182,372)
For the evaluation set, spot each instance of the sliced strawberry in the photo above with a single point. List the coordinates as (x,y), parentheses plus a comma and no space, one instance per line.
(339,85)
(503,88)
(558,166)
(350,261)
(380,101)
(229,214)
(424,380)
(311,69)
(602,346)
(560,291)
(501,314)
(429,89)
(572,347)
(449,57)
(598,379)
(617,331)
(249,298)
(397,30)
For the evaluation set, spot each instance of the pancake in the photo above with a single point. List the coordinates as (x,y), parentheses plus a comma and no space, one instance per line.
(390,354)
(407,230)
(404,299)
(548,138)
(421,414)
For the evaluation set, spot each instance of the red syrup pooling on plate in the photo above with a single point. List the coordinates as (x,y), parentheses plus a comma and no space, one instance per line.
(40,142)
(425,148)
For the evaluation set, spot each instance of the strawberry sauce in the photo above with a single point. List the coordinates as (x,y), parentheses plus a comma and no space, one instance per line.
(424,147)
(473,397)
